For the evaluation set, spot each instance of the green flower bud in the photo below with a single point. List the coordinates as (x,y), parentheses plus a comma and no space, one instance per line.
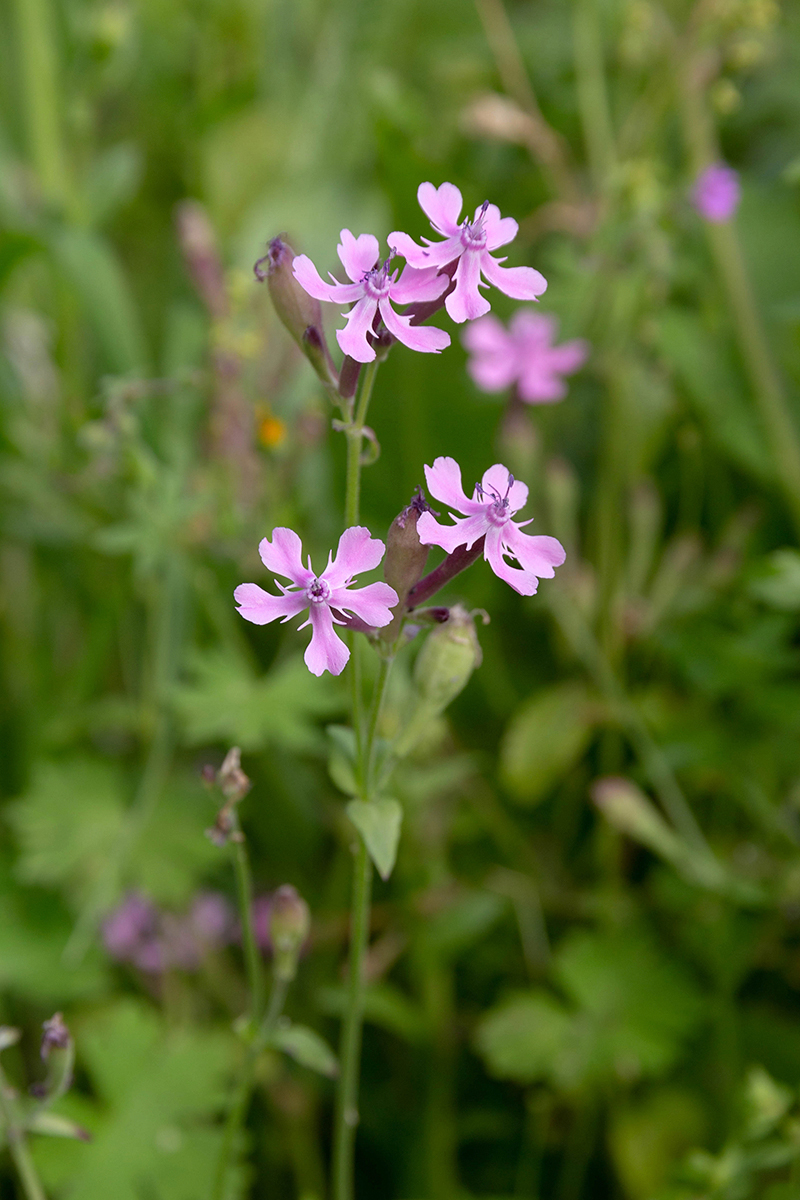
(289,925)
(442,670)
(299,312)
(58,1051)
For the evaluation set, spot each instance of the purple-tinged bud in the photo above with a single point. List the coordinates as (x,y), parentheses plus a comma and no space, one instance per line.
(348,377)
(289,925)
(55,1035)
(58,1051)
(232,780)
(299,312)
(405,559)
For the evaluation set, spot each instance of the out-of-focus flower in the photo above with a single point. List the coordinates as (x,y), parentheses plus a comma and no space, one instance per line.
(212,919)
(469,244)
(55,1035)
(716,192)
(271,430)
(132,923)
(372,292)
(262,908)
(523,354)
(488,515)
(327,596)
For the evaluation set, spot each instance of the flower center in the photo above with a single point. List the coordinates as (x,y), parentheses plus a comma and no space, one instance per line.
(318,591)
(473,234)
(377,282)
(496,505)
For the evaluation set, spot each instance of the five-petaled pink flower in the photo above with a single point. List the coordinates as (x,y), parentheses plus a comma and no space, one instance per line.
(468,244)
(372,292)
(488,515)
(327,596)
(716,191)
(524,355)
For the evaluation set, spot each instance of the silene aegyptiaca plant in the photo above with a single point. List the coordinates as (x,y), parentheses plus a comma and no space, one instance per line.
(386,301)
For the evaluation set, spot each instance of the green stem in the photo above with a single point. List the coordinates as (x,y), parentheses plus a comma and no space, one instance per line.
(238,1108)
(252,958)
(346,1115)
(18,1148)
(726,248)
(354,431)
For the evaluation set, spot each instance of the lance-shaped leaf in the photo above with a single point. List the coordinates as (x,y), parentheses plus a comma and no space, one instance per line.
(308,1048)
(378,822)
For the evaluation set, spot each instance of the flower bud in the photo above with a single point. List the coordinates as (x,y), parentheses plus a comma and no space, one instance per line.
(289,924)
(406,556)
(58,1051)
(444,665)
(299,312)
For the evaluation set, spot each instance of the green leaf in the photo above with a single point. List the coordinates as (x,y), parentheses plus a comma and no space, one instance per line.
(378,822)
(226,702)
(53,1125)
(342,757)
(95,274)
(524,1038)
(68,825)
(778,582)
(545,739)
(308,1048)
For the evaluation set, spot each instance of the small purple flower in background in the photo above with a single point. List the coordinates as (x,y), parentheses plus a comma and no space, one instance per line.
(488,515)
(524,355)
(372,293)
(469,244)
(212,919)
(131,924)
(327,596)
(716,192)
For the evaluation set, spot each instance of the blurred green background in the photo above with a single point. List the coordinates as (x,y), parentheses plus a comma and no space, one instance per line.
(568,999)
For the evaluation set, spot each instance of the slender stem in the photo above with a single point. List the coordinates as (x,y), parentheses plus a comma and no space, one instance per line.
(593,103)
(18,1148)
(354,431)
(768,389)
(238,1108)
(346,1117)
(252,958)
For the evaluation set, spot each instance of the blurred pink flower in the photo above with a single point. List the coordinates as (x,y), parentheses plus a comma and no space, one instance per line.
(327,596)
(488,515)
(262,908)
(716,192)
(372,292)
(130,924)
(469,244)
(524,355)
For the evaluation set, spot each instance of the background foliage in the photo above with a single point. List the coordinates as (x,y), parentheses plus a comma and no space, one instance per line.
(568,999)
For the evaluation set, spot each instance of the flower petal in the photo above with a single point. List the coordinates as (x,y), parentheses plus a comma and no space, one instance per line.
(444,483)
(325,651)
(569,356)
(499,230)
(358,254)
(539,555)
(353,338)
(357,551)
(520,283)
(283,556)
(538,385)
(442,206)
(310,281)
(521,581)
(415,285)
(261,607)
(373,603)
(426,338)
(496,478)
(465,302)
(533,330)
(465,531)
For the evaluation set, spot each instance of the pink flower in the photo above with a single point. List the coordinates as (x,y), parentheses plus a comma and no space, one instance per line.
(715,194)
(327,596)
(372,293)
(488,515)
(523,354)
(468,244)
